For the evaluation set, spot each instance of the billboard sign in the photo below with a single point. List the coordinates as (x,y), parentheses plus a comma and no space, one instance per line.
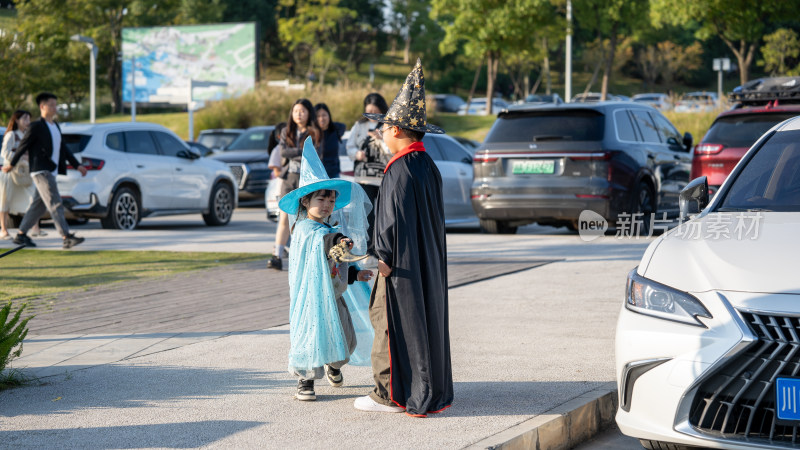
(167,58)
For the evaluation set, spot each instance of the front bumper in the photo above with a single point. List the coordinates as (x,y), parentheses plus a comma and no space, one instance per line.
(713,386)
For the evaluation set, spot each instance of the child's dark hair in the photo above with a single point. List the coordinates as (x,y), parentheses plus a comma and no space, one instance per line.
(309,196)
(414,135)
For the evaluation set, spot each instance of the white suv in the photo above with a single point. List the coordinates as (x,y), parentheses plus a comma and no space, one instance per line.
(137,170)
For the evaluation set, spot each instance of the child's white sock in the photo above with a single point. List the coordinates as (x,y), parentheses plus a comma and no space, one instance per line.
(279,250)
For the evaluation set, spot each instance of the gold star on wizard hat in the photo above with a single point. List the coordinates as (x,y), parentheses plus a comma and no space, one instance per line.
(408,108)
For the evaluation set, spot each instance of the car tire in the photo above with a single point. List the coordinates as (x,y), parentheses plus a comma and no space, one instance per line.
(497,227)
(220,206)
(124,212)
(643,201)
(658,445)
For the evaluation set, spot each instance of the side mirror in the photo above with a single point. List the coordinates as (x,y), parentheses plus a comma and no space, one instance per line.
(467,160)
(191,153)
(688,141)
(694,197)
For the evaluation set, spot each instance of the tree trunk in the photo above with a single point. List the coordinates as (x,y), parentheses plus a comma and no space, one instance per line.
(474,84)
(594,77)
(546,66)
(407,50)
(609,63)
(527,84)
(491,74)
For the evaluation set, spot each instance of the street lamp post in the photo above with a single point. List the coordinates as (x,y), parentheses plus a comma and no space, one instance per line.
(568,68)
(93,48)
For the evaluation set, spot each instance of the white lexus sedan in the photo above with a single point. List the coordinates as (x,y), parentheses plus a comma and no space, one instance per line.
(708,339)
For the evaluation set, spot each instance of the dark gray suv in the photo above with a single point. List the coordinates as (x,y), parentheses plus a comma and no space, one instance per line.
(547,164)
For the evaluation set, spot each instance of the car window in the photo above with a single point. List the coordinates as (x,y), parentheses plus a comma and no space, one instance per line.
(771,178)
(432,148)
(742,130)
(140,142)
(251,140)
(76,143)
(624,126)
(666,130)
(115,141)
(169,145)
(646,126)
(529,126)
(452,151)
(219,140)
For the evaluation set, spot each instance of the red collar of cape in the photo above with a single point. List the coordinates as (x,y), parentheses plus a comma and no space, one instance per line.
(415,147)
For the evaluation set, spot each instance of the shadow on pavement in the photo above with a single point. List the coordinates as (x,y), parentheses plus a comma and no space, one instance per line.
(165,435)
(133,386)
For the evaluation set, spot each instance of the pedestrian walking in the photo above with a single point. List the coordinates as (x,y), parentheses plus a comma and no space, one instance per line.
(48,156)
(366,148)
(331,139)
(409,306)
(16,187)
(301,125)
(328,318)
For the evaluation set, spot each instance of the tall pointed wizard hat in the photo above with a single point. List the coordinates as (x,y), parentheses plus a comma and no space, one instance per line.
(408,107)
(313,177)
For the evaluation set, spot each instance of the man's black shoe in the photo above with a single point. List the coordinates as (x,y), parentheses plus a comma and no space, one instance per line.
(275,263)
(71,241)
(23,239)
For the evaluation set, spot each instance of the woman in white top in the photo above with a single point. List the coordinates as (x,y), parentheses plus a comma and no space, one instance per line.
(14,199)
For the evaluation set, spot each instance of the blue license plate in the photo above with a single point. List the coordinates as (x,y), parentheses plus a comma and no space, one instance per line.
(787,399)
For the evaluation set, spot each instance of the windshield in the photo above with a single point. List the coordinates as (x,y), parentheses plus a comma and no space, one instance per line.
(251,140)
(217,140)
(76,142)
(742,130)
(567,125)
(771,179)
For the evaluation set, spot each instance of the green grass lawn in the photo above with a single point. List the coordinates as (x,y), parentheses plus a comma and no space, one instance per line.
(8,19)
(33,274)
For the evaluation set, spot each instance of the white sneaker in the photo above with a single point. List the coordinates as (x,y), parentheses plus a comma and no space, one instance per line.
(366,403)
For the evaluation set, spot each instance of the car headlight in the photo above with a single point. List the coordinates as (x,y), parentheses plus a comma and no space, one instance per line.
(655,299)
(258,166)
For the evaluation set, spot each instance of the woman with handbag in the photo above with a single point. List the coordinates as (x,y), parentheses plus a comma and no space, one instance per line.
(16,187)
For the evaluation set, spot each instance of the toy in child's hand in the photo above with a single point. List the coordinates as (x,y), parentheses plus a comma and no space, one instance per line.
(341,252)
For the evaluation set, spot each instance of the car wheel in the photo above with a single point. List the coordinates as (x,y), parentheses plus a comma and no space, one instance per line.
(657,445)
(497,227)
(220,205)
(643,202)
(124,213)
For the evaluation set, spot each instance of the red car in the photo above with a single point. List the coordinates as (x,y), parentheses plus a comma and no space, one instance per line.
(733,133)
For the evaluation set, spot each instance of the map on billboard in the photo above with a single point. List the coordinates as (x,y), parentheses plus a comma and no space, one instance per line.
(167,58)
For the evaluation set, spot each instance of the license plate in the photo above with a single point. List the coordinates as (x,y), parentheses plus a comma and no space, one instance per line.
(787,397)
(546,166)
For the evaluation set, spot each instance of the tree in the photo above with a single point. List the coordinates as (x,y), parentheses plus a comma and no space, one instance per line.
(741,24)
(778,47)
(309,31)
(15,85)
(668,61)
(609,19)
(490,28)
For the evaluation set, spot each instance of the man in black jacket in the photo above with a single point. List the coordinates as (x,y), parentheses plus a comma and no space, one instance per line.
(48,156)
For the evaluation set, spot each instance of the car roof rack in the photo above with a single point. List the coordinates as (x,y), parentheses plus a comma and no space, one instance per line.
(766,90)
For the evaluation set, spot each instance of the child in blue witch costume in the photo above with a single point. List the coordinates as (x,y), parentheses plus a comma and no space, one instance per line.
(329,318)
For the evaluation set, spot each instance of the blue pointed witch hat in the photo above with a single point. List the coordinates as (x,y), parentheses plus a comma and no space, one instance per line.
(313,177)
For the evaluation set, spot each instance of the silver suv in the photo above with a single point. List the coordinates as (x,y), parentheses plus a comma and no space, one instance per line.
(137,170)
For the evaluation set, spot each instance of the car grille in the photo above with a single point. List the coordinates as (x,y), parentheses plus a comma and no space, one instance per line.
(239,173)
(738,400)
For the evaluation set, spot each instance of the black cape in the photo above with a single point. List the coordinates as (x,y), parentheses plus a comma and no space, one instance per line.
(409,236)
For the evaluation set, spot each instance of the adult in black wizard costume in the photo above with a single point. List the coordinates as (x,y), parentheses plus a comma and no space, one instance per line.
(408,306)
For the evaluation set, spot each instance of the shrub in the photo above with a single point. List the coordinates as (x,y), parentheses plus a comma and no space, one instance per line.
(11,334)
(270,105)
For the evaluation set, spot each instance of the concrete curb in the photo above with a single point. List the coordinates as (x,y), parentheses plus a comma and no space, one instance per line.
(563,427)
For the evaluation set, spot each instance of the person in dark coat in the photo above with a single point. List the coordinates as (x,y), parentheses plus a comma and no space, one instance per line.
(409,305)
(331,139)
